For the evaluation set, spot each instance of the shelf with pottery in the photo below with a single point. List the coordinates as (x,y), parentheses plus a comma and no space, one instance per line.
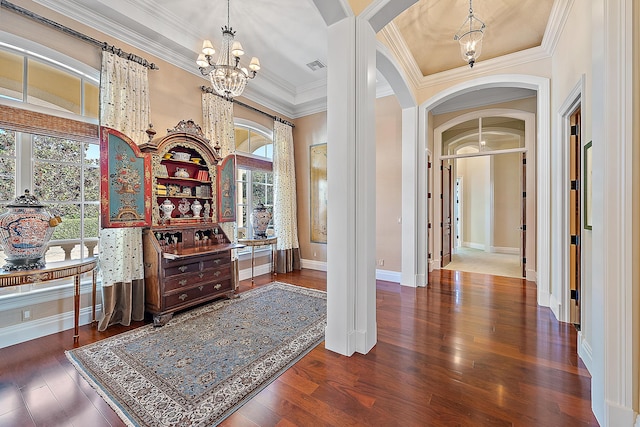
(187,255)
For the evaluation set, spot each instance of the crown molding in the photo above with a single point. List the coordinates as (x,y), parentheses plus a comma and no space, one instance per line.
(555,25)
(398,47)
(490,66)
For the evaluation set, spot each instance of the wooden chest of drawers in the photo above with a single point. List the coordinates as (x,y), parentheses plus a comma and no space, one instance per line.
(182,271)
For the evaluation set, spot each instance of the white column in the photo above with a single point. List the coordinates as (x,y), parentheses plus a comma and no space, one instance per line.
(414,213)
(351,163)
(616,332)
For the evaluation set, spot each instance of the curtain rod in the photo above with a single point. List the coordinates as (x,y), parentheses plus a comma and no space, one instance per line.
(103,45)
(242,104)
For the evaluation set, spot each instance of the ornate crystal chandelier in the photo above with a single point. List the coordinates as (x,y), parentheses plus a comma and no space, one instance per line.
(227,77)
(470,37)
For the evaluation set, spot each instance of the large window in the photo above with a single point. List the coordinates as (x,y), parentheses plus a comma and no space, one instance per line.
(65,176)
(254,181)
(61,171)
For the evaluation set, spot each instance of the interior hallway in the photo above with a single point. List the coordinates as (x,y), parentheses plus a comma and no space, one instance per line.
(479,261)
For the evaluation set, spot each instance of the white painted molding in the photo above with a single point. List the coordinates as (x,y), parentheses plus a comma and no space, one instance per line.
(313,264)
(555,306)
(584,351)
(38,328)
(474,245)
(388,276)
(396,44)
(504,250)
(555,25)
(532,276)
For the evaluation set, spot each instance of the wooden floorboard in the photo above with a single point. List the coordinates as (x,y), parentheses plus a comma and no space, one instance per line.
(468,350)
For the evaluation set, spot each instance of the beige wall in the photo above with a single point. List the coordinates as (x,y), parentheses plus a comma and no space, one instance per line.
(474,172)
(309,130)
(388,183)
(506,200)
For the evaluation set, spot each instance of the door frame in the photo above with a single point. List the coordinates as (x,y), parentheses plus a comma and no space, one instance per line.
(532,178)
(562,271)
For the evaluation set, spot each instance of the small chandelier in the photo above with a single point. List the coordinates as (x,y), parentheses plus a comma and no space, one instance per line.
(470,37)
(227,77)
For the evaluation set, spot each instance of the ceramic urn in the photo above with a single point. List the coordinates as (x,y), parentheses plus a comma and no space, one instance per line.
(260,218)
(25,230)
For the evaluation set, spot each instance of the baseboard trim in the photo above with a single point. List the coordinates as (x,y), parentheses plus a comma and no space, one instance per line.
(584,351)
(245,274)
(556,308)
(505,250)
(313,264)
(26,331)
(473,245)
(388,276)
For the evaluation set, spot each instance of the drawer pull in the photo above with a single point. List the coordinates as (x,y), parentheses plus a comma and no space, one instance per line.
(183,297)
(182,282)
(217,261)
(183,268)
(217,273)
(201,288)
(147,265)
(201,275)
(217,286)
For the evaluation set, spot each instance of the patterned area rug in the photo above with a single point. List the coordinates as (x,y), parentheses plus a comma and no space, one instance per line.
(207,362)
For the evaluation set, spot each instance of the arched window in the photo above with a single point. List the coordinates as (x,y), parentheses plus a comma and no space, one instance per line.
(254,150)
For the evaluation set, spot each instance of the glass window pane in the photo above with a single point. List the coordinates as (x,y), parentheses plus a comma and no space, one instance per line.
(7,143)
(91,221)
(51,148)
(11,76)
(269,177)
(242,139)
(91,184)
(91,100)
(92,154)
(501,133)
(56,182)
(461,135)
(7,179)
(71,223)
(258,177)
(258,194)
(53,88)
(269,195)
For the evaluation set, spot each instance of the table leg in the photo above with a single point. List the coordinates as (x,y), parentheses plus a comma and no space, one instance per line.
(93,291)
(252,263)
(274,258)
(76,307)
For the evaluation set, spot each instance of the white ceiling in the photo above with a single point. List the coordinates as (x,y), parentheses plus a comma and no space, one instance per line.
(288,34)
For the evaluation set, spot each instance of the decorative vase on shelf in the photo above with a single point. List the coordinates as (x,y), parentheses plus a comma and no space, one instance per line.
(260,218)
(196,207)
(167,208)
(184,207)
(25,231)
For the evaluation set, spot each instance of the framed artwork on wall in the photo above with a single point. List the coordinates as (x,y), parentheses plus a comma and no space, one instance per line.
(588,185)
(318,192)
(227,190)
(125,182)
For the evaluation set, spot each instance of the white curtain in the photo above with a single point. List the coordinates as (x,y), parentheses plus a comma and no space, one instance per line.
(217,115)
(285,219)
(217,126)
(124,106)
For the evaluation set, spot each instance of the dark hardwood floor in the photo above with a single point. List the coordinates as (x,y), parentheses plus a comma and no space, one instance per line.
(469,350)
